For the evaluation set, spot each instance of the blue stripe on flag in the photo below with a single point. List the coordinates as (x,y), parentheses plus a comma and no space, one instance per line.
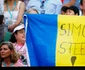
(41,39)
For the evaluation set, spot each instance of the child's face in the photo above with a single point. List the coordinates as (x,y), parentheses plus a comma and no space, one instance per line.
(63,13)
(70,12)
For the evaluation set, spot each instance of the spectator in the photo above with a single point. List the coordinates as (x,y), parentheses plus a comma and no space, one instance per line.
(72,10)
(32,11)
(82,7)
(8,55)
(46,6)
(13,13)
(18,39)
(1,28)
(1,21)
(63,10)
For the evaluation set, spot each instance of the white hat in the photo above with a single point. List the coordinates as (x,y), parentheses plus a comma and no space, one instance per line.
(19,27)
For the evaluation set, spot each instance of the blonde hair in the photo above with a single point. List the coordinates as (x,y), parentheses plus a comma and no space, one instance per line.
(14,56)
(32,9)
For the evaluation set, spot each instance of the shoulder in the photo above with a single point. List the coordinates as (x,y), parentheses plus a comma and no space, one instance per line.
(21,3)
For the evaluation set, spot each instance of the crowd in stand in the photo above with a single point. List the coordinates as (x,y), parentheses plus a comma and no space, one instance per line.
(13,52)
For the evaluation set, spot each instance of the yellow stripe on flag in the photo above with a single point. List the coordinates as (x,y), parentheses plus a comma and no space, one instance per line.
(70,45)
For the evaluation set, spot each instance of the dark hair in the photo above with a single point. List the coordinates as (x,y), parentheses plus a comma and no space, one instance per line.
(1,19)
(13,38)
(14,56)
(64,8)
(81,2)
(75,9)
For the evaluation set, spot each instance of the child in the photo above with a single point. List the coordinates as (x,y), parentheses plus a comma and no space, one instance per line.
(72,10)
(63,10)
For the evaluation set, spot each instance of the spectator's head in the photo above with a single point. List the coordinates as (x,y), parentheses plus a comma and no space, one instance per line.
(63,10)
(7,51)
(18,34)
(72,10)
(82,5)
(32,11)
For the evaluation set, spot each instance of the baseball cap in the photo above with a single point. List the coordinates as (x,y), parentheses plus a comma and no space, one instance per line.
(19,27)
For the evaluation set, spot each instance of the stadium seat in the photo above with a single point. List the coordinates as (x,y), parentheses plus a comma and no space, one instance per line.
(7,36)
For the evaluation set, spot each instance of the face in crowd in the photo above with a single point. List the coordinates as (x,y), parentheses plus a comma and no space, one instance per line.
(20,36)
(82,5)
(70,12)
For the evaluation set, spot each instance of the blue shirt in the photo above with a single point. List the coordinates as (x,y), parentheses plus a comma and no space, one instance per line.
(50,6)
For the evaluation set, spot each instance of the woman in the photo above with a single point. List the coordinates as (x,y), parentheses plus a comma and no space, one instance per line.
(8,55)
(18,39)
(13,13)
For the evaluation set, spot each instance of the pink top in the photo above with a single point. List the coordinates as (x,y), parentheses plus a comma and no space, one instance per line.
(17,64)
(24,51)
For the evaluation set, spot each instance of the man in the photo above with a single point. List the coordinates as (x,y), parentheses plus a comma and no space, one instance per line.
(82,7)
(46,6)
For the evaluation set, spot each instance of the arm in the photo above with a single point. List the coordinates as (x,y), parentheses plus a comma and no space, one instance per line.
(72,2)
(20,16)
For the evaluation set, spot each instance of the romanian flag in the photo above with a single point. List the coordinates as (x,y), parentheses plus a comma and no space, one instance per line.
(55,40)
